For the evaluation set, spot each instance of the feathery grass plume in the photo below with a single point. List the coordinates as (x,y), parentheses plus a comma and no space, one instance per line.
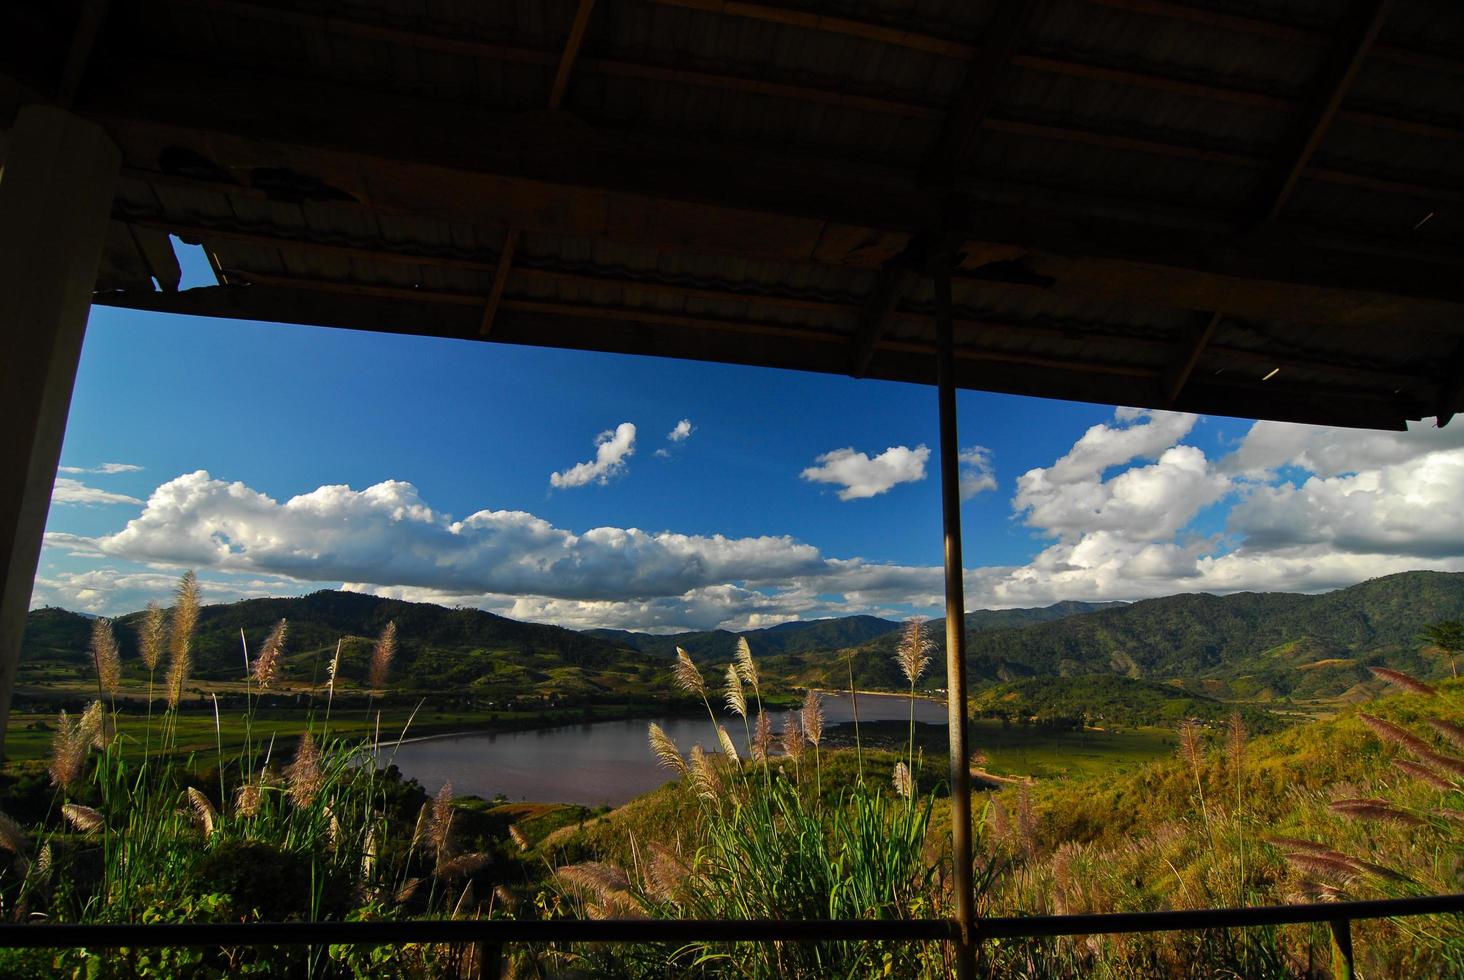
(45,860)
(1425,775)
(1235,741)
(792,736)
(746,667)
(95,728)
(204,810)
(152,635)
(1454,733)
(463,865)
(369,855)
(1453,816)
(1405,681)
(268,664)
(1373,809)
(68,752)
(812,717)
(519,838)
(247,799)
(1026,822)
(83,818)
(424,820)
(12,837)
(913,655)
(333,669)
(104,654)
(665,750)
(1389,732)
(706,781)
(762,737)
(1000,822)
(665,872)
(1449,763)
(1189,743)
(304,774)
(382,655)
(180,640)
(687,677)
(728,749)
(1332,866)
(607,884)
(502,896)
(1299,845)
(439,830)
(736,699)
(901,780)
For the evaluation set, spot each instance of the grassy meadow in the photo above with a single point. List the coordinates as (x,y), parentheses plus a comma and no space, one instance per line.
(152,795)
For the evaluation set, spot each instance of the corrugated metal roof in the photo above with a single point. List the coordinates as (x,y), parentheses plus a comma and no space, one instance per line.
(1122,146)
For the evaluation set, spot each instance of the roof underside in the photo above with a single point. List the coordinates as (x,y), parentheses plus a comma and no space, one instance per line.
(1251,208)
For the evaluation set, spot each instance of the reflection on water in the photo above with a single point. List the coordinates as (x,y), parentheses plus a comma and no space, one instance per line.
(595,763)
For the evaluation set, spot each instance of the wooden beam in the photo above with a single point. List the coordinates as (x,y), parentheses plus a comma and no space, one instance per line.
(1184,365)
(571,52)
(1354,39)
(894,282)
(83,40)
(833,91)
(55,197)
(400,154)
(500,279)
(865,30)
(157,251)
(552,325)
(987,68)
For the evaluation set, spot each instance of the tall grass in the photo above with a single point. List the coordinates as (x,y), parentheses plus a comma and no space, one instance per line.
(767,843)
(139,833)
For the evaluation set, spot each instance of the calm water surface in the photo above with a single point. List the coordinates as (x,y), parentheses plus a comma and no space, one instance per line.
(600,762)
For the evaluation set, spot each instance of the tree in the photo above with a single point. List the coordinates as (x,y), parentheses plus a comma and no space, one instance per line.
(1446,637)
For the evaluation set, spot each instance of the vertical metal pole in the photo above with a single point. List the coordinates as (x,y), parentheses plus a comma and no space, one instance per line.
(955,595)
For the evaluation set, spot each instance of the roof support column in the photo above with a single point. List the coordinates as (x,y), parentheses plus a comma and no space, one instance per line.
(56,184)
(955,618)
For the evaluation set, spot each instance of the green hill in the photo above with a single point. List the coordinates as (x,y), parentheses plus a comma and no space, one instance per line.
(798,637)
(1107,701)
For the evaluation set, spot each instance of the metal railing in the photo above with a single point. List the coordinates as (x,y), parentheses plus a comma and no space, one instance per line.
(490,936)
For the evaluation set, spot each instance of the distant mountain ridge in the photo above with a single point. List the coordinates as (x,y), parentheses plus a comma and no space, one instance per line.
(804,636)
(1247,645)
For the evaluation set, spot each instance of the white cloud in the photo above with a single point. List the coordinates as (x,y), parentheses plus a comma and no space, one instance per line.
(1071,499)
(681,433)
(612,450)
(69,491)
(105,469)
(860,476)
(109,590)
(976,474)
(1117,514)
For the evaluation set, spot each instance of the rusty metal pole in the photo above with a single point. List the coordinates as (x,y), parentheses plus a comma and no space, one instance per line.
(955,595)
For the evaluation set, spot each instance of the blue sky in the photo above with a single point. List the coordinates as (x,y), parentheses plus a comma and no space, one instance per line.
(1072,500)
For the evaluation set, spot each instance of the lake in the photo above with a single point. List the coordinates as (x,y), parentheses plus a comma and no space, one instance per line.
(603,762)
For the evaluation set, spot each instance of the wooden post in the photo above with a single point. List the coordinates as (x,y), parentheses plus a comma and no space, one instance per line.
(1342,968)
(955,595)
(56,187)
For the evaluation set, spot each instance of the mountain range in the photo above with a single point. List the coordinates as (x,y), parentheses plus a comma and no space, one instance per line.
(1247,645)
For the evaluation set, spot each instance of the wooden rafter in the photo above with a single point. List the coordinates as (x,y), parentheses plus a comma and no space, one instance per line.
(1183,366)
(557,92)
(1354,40)
(830,92)
(88,24)
(987,68)
(894,282)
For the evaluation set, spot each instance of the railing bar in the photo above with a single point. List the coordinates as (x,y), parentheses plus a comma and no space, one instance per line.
(102,936)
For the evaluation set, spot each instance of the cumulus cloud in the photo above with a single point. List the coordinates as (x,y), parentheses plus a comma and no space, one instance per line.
(612,449)
(109,590)
(859,476)
(681,433)
(69,491)
(1072,498)
(105,469)
(976,473)
(1312,509)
